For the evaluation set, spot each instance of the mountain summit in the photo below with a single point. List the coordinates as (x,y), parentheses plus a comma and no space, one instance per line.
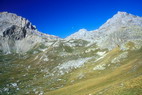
(122,19)
(18,35)
(120,29)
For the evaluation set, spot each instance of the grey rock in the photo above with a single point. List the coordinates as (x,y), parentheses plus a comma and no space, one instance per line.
(117,31)
(84,35)
(18,35)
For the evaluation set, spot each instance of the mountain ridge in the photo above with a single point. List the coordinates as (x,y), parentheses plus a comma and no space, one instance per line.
(111,29)
(120,22)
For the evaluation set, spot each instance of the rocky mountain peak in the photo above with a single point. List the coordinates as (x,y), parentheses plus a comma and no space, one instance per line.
(121,19)
(17,34)
(120,29)
(125,17)
(10,21)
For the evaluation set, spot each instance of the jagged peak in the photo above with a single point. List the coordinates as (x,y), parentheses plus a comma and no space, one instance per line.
(122,13)
(21,22)
(122,19)
(15,19)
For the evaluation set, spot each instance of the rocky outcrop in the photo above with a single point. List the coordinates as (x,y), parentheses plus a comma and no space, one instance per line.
(15,33)
(18,35)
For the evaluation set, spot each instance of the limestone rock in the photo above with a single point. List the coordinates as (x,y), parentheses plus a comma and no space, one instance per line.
(117,31)
(18,35)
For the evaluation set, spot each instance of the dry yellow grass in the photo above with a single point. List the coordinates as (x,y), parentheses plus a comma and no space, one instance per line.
(108,83)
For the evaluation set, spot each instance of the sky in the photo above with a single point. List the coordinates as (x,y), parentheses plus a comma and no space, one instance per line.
(65,17)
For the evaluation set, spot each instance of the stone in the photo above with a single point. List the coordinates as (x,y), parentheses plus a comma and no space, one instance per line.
(18,35)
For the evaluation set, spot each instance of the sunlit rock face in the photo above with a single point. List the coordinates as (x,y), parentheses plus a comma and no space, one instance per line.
(18,35)
(83,34)
(120,29)
(117,31)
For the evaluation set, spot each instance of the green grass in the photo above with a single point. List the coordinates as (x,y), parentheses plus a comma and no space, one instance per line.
(98,82)
(14,68)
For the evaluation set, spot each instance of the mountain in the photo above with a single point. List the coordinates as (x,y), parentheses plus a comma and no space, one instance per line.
(117,31)
(121,29)
(17,34)
(105,61)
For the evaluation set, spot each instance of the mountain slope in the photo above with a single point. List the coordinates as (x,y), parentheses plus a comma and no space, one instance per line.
(18,35)
(106,61)
(120,78)
(120,29)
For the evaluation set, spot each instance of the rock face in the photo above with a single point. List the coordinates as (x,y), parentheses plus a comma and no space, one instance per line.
(121,28)
(18,35)
(117,31)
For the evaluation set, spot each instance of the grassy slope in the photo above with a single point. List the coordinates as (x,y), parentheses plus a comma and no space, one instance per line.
(14,69)
(124,79)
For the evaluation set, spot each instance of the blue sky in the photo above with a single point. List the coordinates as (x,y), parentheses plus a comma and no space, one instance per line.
(64,17)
